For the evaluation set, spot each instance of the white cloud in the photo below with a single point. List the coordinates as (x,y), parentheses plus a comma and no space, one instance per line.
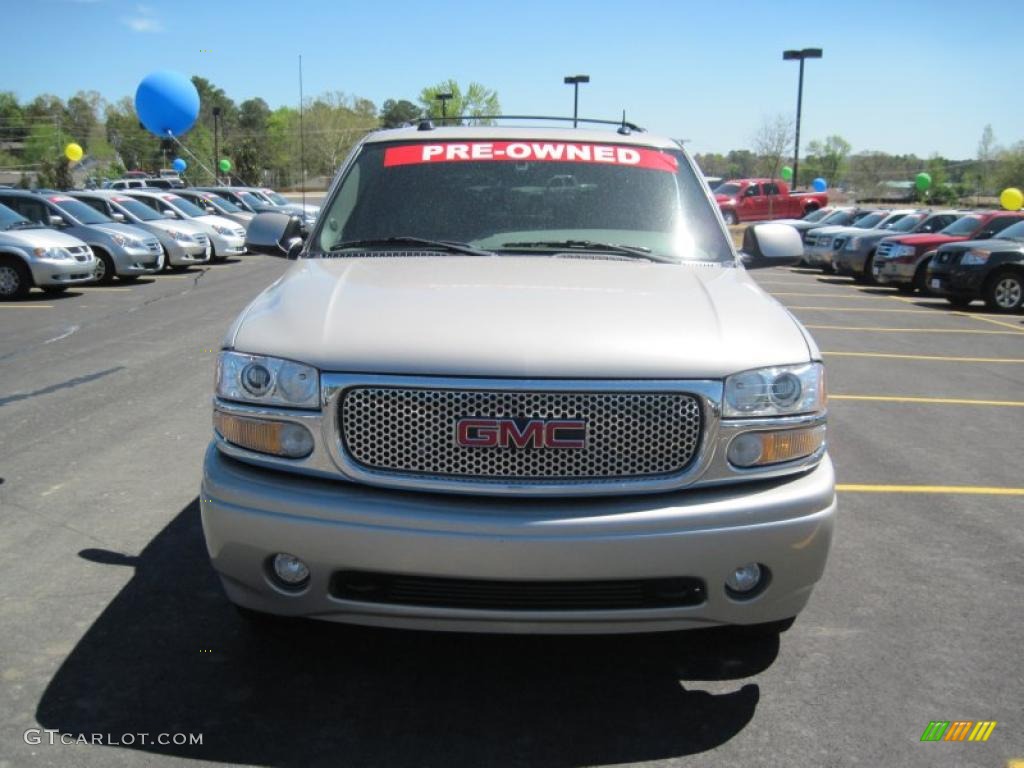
(144,20)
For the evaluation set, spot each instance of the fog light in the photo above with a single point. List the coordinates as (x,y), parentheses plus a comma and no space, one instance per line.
(745,579)
(278,438)
(757,449)
(745,449)
(291,571)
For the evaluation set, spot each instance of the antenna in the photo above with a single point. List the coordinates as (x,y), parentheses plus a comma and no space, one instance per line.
(302,142)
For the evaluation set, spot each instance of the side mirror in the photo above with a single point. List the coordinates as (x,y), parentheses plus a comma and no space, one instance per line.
(985,234)
(170,215)
(276,234)
(771,245)
(117,217)
(57,221)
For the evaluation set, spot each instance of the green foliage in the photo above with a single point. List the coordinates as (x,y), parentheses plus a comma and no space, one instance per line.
(827,159)
(395,113)
(478,101)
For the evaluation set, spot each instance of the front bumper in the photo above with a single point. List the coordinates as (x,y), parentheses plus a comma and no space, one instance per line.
(251,513)
(184,254)
(956,280)
(817,256)
(228,245)
(63,271)
(892,272)
(136,261)
(850,262)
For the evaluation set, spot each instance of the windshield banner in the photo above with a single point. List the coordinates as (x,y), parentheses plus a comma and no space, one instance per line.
(529,152)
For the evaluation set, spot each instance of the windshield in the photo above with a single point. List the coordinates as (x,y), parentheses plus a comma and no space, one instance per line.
(224,204)
(276,198)
(139,210)
(728,189)
(890,221)
(963,226)
(1013,233)
(10,219)
(838,218)
(817,215)
(869,221)
(527,197)
(908,223)
(189,209)
(251,200)
(79,210)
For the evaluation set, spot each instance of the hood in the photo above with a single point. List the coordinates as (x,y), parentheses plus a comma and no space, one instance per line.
(210,219)
(530,317)
(924,240)
(42,237)
(188,226)
(90,232)
(989,244)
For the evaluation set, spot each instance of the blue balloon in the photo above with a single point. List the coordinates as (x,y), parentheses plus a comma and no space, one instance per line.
(167,102)
(819,184)
(179,165)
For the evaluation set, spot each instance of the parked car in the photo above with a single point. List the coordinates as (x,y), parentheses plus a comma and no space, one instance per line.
(826,217)
(412,432)
(902,262)
(216,205)
(122,184)
(227,238)
(307,212)
(818,242)
(759,199)
(991,270)
(121,250)
(242,197)
(165,183)
(184,243)
(853,250)
(31,254)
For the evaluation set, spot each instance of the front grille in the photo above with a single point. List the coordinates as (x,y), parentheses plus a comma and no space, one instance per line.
(478,594)
(201,239)
(948,257)
(80,252)
(824,241)
(811,239)
(838,243)
(882,252)
(153,246)
(412,430)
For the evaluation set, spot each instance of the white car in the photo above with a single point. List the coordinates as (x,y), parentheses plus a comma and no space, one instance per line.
(31,254)
(227,238)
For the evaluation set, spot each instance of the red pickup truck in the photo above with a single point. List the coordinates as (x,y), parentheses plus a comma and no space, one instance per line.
(757,199)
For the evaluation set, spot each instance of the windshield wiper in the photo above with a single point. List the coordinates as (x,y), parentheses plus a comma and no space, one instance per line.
(447,245)
(587,245)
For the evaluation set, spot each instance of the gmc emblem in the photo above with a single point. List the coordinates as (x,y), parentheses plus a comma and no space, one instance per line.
(521,433)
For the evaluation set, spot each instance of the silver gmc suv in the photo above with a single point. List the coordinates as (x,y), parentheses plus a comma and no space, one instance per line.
(518,380)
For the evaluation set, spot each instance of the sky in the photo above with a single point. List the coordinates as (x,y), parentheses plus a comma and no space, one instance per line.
(918,77)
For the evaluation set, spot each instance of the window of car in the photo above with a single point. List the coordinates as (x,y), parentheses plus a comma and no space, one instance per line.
(837,218)
(936,223)
(965,225)
(818,215)
(771,189)
(276,198)
(224,204)
(754,190)
(997,224)
(907,223)
(729,189)
(1015,231)
(870,221)
(97,203)
(11,219)
(137,209)
(31,208)
(654,201)
(80,211)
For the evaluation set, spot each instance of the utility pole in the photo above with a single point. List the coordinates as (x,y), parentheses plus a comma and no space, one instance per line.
(216,146)
(574,81)
(806,53)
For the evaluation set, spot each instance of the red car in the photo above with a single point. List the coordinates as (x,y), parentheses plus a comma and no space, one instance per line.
(903,261)
(759,199)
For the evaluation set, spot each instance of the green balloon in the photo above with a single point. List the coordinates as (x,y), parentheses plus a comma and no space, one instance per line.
(787,173)
(224,165)
(922,181)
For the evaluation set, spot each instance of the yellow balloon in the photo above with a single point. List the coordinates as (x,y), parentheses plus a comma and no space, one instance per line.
(73,152)
(1012,199)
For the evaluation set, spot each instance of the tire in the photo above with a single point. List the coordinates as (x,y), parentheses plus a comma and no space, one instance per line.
(731,218)
(904,288)
(54,290)
(921,278)
(105,270)
(867,277)
(15,279)
(960,302)
(828,269)
(213,255)
(1004,291)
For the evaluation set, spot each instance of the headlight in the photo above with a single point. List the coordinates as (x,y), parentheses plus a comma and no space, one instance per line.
(183,237)
(854,244)
(222,230)
(779,391)
(267,380)
(974,257)
(120,239)
(902,250)
(54,254)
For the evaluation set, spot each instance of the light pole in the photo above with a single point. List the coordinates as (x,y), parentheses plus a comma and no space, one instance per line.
(443,98)
(216,148)
(574,81)
(806,53)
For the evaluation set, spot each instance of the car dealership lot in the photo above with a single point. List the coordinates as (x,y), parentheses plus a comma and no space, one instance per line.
(115,624)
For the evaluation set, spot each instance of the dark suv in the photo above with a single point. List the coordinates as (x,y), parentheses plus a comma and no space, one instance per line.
(992,270)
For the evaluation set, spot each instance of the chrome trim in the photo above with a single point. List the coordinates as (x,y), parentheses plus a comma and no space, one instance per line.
(329,459)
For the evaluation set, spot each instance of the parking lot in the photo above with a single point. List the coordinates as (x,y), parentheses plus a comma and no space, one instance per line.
(115,624)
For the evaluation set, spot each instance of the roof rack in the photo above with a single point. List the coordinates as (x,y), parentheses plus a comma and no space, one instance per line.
(427,124)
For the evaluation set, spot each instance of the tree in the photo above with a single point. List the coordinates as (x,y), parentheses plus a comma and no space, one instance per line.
(828,158)
(1010,170)
(135,146)
(395,113)
(478,101)
(12,118)
(333,123)
(249,147)
(986,155)
(772,142)
(81,117)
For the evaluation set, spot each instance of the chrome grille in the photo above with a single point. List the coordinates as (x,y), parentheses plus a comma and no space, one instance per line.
(882,251)
(153,246)
(811,239)
(412,431)
(200,238)
(80,252)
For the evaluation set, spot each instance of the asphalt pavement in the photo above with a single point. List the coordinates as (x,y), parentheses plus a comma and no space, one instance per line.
(114,624)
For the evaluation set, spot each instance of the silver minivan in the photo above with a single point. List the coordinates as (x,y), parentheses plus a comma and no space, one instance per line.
(31,254)
(227,238)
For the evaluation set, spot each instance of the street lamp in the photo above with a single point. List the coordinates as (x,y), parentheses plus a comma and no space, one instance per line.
(806,53)
(443,98)
(574,81)
(216,148)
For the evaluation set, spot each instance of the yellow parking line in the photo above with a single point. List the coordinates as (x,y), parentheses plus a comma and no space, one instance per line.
(907,330)
(932,358)
(928,400)
(26,306)
(985,319)
(974,490)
